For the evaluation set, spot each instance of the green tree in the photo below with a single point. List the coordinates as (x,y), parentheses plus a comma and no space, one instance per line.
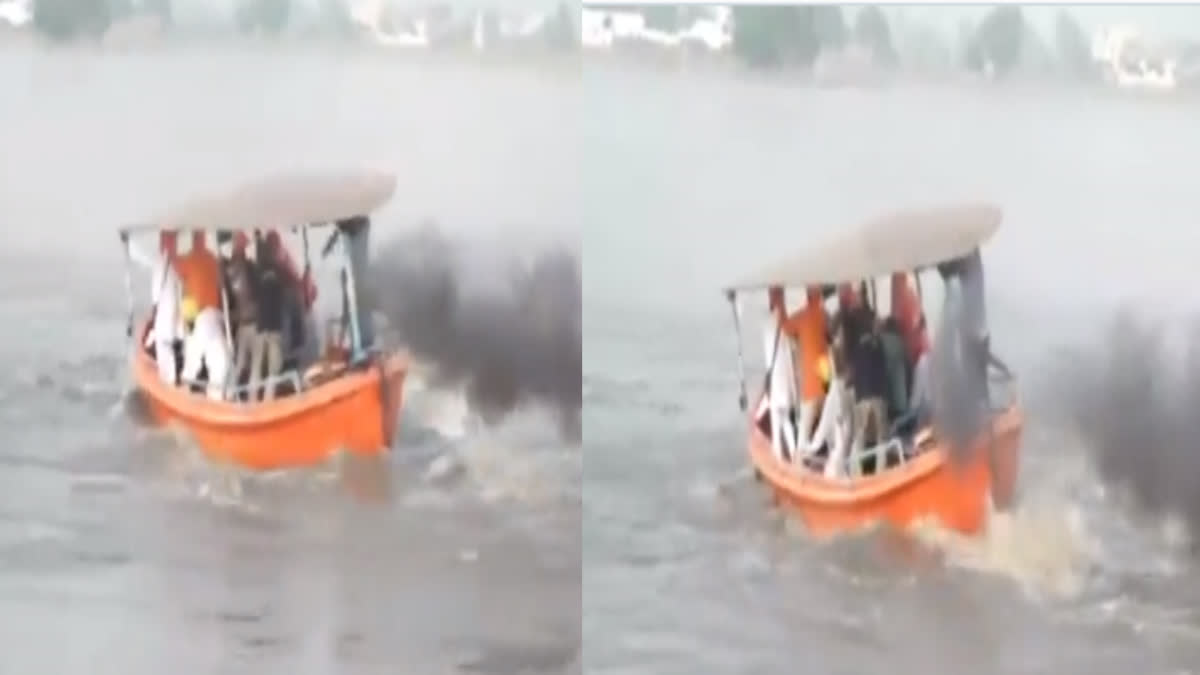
(660,17)
(766,36)
(1073,51)
(163,10)
(829,26)
(333,18)
(62,20)
(561,31)
(997,40)
(871,29)
(268,16)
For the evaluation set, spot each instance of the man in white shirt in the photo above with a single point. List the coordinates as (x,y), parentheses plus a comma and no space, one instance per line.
(781,382)
(165,293)
(833,427)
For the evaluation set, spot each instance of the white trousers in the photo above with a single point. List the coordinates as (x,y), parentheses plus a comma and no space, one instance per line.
(782,433)
(806,418)
(163,334)
(206,346)
(833,431)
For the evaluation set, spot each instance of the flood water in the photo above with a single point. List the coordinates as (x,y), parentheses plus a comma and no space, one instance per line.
(125,552)
(690,181)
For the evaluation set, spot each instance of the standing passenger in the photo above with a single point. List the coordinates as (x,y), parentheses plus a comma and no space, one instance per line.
(811,331)
(906,309)
(866,370)
(781,377)
(165,291)
(833,429)
(244,290)
(268,346)
(206,345)
(301,333)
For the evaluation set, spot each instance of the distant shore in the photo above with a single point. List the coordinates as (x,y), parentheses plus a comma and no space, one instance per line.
(148,40)
(729,71)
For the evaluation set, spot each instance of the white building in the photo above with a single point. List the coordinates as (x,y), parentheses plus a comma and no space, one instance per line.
(709,27)
(1130,61)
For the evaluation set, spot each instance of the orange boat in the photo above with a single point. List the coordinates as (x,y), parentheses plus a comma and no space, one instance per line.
(345,394)
(906,474)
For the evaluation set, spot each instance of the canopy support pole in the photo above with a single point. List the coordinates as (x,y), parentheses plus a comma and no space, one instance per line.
(307,259)
(128,285)
(356,347)
(737,326)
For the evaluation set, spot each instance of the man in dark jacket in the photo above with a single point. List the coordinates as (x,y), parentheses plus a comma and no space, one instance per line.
(269,317)
(240,277)
(866,369)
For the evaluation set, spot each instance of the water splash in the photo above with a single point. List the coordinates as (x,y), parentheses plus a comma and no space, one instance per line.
(520,340)
(1046,549)
(1133,403)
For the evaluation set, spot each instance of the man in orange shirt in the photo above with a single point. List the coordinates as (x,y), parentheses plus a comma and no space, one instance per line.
(205,344)
(809,327)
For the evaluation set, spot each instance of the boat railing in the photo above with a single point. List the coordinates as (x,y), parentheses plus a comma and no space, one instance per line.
(289,377)
(236,392)
(882,453)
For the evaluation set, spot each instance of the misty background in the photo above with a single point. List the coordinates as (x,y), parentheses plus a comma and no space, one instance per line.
(856,43)
(524,26)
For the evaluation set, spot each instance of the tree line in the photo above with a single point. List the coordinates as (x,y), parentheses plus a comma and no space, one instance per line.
(772,36)
(65,20)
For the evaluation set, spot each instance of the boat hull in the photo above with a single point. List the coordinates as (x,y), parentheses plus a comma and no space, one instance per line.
(352,413)
(928,486)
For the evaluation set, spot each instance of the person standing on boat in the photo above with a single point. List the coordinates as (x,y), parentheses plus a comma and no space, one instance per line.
(833,427)
(810,327)
(205,346)
(300,332)
(165,292)
(267,354)
(866,368)
(906,309)
(781,379)
(243,289)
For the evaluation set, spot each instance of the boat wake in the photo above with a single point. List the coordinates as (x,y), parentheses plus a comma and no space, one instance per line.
(503,472)
(445,411)
(500,463)
(1046,549)
(1048,545)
